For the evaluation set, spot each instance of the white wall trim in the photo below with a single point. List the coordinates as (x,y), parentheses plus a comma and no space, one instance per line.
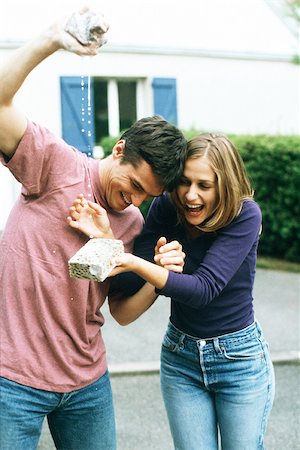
(113,108)
(171,51)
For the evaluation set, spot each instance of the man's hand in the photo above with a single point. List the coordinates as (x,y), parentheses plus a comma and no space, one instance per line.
(169,255)
(90,218)
(83,33)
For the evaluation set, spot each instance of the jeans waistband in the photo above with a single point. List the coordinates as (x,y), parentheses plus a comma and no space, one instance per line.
(244,332)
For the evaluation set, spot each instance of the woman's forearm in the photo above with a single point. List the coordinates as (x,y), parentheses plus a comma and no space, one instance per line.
(154,274)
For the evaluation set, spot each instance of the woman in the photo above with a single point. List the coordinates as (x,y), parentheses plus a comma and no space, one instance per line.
(216,372)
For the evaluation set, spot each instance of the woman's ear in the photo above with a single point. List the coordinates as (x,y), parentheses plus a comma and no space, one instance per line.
(118,150)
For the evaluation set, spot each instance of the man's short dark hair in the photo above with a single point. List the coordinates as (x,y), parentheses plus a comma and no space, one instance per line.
(160,144)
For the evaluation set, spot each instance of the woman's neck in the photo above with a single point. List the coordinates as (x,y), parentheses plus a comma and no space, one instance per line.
(192,231)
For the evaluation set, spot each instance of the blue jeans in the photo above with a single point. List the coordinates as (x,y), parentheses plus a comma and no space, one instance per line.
(78,420)
(220,386)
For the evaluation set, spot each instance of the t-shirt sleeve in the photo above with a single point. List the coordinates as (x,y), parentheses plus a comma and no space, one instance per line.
(40,160)
(220,263)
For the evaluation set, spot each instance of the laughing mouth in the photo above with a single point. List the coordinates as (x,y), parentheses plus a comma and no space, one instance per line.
(126,199)
(193,208)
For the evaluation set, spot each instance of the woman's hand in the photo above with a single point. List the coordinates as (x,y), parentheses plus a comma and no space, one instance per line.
(169,255)
(90,218)
(125,263)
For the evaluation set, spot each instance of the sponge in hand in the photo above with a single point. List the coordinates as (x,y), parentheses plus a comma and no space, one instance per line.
(93,260)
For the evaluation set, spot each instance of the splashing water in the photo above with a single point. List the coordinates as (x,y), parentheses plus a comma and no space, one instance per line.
(86,112)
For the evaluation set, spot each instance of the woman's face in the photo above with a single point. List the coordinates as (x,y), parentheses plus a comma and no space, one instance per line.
(197,191)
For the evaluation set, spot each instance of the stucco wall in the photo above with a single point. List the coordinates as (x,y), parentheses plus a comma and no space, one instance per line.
(230,59)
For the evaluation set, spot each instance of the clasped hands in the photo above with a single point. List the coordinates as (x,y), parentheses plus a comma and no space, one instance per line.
(92,220)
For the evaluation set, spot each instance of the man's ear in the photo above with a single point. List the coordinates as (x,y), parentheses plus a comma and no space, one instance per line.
(118,150)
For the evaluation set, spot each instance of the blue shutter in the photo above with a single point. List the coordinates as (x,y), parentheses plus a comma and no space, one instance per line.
(71,106)
(165,100)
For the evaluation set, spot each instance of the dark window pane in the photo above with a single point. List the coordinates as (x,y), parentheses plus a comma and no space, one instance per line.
(127,103)
(100,109)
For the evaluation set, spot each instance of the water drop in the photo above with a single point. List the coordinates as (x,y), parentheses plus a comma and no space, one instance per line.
(89,90)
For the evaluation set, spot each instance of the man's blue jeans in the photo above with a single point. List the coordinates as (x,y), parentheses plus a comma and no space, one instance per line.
(224,385)
(78,420)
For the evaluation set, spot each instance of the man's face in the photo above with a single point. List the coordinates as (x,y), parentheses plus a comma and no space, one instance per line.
(126,184)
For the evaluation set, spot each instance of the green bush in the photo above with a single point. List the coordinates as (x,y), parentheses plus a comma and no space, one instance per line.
(107,143)
(273,165)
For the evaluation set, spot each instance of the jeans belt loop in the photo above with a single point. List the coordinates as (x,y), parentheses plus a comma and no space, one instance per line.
(180,343)
(217,345)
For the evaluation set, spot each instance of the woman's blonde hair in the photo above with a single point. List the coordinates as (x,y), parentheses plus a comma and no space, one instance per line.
(233,185)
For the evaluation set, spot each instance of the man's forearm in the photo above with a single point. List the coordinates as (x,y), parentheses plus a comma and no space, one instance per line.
(13,74)
(127,310)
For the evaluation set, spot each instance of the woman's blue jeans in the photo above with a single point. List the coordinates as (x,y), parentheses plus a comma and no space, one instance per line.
(220,386)
(78,420)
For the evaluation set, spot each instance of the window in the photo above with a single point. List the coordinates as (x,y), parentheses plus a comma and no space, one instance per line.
(100,109)
(115,105)
(127,103)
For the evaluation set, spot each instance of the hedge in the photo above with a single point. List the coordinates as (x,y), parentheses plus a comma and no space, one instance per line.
(273,165)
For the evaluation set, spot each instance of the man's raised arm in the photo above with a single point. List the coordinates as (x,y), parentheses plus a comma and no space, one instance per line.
(14,72)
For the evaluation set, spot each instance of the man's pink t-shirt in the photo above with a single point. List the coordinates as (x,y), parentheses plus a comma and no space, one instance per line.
(50,324)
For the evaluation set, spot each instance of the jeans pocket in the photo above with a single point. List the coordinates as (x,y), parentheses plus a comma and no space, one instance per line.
(171,345)
(245,350)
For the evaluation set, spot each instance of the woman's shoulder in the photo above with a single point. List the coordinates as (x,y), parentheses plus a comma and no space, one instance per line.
(249,216)
(250,208)
(248,221)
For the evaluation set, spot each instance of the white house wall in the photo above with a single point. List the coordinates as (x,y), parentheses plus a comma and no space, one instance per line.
(230,59)
(232,96)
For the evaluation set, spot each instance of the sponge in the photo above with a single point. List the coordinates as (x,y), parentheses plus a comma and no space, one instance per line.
(87,27)
(93,260)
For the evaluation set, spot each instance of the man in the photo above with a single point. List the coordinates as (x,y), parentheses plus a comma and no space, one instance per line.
(52,354)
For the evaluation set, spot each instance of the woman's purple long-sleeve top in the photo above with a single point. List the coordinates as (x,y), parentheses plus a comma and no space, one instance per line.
(214,294)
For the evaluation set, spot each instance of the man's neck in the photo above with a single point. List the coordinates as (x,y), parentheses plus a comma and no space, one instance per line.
(104,169)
